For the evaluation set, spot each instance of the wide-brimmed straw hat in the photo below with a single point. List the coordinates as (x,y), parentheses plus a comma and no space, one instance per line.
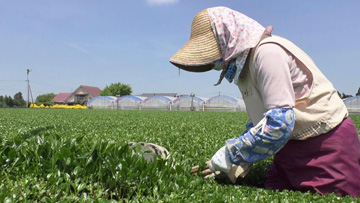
(202,50)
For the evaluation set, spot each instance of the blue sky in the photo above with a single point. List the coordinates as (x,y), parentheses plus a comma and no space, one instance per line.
(87,42)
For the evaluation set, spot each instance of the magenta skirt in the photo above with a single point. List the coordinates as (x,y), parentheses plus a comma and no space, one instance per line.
(324,164)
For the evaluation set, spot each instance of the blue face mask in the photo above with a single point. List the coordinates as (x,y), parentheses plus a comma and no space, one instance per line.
(234,68)
(228,73)
(231,71)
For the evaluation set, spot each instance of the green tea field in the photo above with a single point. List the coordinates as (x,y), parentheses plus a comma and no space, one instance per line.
(61,155)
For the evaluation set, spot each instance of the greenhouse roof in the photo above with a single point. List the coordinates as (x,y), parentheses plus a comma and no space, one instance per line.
(137,98)
(158,94)
(225,97)
(169,99)
(351,99)
(102,97)
(187,97)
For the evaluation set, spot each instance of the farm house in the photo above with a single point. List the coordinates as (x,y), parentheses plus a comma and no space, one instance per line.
(102,102)
(81,95)
(158,102)
(130,102)
(352,104)
(184,103)
(224,103)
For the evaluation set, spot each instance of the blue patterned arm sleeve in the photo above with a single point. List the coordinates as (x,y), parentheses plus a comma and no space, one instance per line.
(264,139)
(248,127)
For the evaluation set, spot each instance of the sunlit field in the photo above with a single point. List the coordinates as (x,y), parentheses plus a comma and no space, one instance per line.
(82,155)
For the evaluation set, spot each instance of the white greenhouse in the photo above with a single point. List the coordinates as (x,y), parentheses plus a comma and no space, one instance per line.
(158,102)
(188,103)
(353,104)
(224,103)
(102,102)
(130,102)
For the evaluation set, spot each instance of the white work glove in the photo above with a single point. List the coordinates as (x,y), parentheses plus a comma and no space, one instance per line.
(220,166)
(221,161)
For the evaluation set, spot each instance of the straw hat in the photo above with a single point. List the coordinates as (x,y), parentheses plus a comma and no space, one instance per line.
(202,50)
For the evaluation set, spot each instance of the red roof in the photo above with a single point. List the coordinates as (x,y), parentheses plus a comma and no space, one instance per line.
(61,97)
(93,91)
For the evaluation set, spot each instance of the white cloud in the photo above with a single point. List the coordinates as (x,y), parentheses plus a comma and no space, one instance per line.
(78,47)
(161,2)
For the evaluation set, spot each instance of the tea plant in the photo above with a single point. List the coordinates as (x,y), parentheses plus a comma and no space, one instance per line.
(52,155)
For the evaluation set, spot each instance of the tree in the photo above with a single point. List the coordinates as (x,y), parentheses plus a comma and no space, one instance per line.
(115,89)
(345,96)
(358,93)
(19,100)
(2,102)
(45,99)
(9,101)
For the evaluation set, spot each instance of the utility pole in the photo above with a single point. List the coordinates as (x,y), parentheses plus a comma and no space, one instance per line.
(178,94)
(192,108)
(117,101)
(28,88)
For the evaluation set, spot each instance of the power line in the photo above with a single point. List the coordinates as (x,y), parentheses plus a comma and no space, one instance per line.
(12,80)
(49,85)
